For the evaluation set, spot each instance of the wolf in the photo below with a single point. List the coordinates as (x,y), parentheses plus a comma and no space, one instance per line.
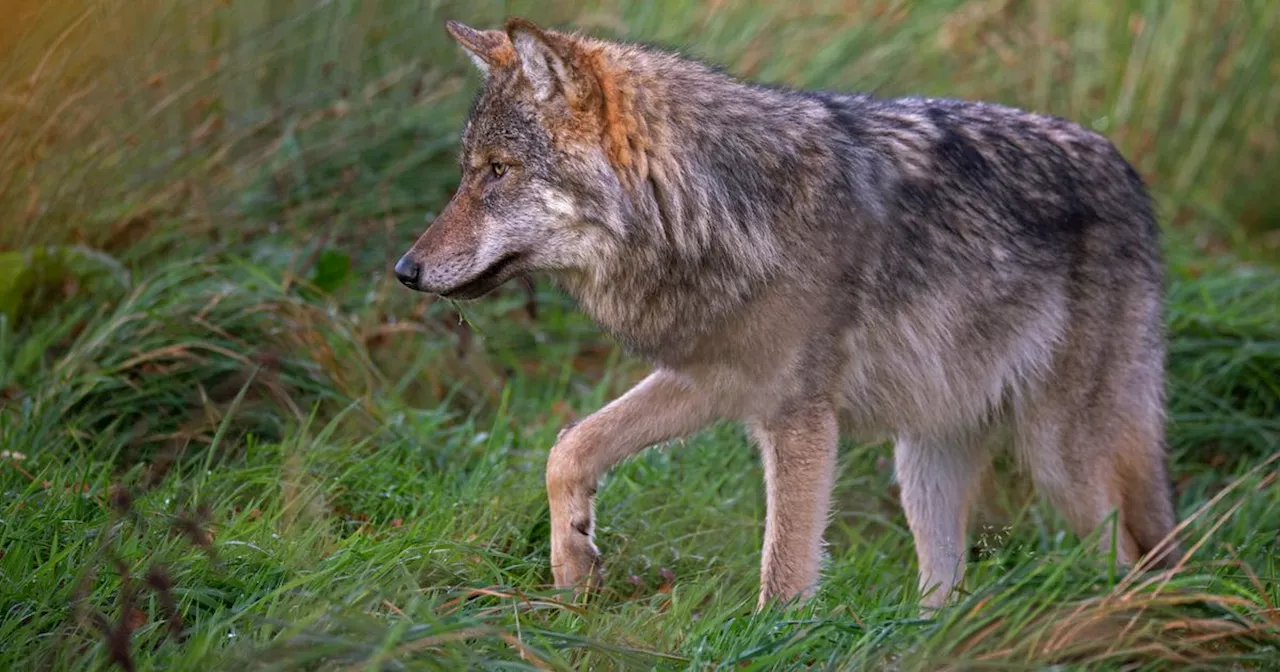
(955,276)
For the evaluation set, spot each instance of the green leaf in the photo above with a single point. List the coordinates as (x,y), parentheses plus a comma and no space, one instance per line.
(331,271)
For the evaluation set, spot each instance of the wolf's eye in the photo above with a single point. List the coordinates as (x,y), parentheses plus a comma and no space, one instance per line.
(499,169)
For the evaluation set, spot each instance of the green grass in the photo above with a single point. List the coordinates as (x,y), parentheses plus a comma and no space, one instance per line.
(231,440)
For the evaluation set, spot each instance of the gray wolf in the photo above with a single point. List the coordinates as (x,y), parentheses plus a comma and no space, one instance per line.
(955,276)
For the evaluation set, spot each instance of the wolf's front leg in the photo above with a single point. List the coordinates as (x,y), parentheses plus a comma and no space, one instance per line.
(664,406)
(798,450)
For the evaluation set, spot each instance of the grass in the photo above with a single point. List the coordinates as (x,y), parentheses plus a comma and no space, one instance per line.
(230,440)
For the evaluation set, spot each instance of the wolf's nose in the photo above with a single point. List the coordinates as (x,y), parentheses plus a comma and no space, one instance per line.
(408,270)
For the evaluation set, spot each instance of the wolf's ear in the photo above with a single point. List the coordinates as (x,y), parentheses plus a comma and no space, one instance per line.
(543,63)
(488,49)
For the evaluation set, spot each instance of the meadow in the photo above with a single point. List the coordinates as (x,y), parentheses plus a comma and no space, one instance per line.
(230,440)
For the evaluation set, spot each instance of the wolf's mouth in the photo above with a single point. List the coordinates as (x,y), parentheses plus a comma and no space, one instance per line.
(487,281)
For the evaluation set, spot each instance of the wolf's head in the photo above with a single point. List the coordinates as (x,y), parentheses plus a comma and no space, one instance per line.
(538,189)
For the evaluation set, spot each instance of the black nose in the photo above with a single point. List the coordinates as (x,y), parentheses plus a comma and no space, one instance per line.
(408,270)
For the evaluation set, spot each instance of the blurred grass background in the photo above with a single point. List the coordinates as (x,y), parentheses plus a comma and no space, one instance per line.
(199,333)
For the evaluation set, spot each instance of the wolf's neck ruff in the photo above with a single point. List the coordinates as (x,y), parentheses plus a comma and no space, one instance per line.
(698,237)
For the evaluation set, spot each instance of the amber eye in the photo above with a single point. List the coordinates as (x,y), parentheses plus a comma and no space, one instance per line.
(499,169)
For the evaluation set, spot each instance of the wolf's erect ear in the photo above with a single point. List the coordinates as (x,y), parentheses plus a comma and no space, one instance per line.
(542,61)
(488,49)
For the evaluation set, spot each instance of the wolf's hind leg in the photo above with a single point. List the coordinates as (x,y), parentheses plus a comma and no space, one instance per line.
(1092,465)
(939,480)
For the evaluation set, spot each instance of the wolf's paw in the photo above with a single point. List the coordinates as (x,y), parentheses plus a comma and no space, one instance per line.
(577,565)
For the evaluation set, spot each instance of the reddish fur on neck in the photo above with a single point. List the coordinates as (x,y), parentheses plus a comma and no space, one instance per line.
(620,133)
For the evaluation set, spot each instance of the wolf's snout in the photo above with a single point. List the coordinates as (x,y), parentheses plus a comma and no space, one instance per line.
(408,271)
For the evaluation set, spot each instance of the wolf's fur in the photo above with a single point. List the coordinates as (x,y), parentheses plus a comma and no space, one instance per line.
(941,272)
